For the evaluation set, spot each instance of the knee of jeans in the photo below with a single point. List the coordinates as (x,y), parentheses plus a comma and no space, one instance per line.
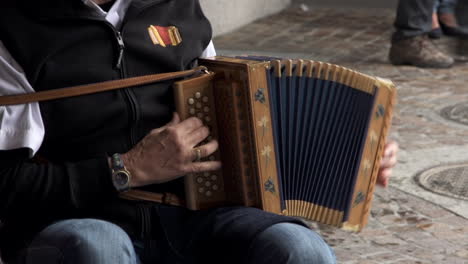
(88,239)
(298,244)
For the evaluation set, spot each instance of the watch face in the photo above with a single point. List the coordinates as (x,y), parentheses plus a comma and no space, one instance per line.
(121,178)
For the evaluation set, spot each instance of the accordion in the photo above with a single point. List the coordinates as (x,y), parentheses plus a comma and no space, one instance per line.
(298,138)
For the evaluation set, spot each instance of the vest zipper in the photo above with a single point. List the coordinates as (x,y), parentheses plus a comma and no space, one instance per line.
(131,100)
(121,51)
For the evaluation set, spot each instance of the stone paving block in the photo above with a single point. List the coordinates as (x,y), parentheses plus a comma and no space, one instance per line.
(366,261)
(410,261)
(453,236)
(385,257)
(408,249)
(438,227)
(455,221)
(403,229)
(391,220)
(374,224)
(414,236)
(344,254)
(428,255)
(462,253)
(451,260)
(371,233)
(388,240)
(439,245)
(434,211)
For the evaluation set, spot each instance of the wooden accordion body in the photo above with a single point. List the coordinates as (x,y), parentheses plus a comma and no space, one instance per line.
(299,138)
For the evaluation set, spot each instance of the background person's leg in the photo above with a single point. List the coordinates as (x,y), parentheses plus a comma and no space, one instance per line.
(288,243)
(447,6)
(413,18)
(81,241)
(410,42)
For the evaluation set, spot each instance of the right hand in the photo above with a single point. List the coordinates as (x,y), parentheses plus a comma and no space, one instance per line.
(169,152)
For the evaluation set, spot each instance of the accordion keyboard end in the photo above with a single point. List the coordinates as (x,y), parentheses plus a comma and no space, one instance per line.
(194,98)
(351,228)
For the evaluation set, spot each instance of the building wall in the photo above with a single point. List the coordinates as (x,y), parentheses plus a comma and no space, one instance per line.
(228,15)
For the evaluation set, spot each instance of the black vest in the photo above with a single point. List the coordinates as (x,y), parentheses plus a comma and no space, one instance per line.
(61,43)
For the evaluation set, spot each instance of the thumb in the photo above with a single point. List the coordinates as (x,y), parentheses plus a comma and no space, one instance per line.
(175,120)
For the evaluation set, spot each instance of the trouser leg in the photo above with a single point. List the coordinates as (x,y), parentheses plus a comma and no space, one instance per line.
(288,243)
(436,5)
(81,241)
(413,18)
(447,6)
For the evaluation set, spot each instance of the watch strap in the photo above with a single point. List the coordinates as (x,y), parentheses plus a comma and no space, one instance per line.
(117,162)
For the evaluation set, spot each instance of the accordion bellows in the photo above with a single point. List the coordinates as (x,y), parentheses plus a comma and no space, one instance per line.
(299,138)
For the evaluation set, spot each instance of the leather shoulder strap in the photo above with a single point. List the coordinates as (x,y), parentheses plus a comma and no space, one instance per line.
(96,87)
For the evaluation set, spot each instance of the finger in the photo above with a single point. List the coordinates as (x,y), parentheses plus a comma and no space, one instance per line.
(392,162)
(189,125)
(198,136)
(388,162)
(384,177)
(196,167)
(209,148)
(174,121)
(391,148)
(204,150)
(383,183)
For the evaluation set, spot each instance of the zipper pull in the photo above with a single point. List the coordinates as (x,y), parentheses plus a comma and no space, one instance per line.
(121,50)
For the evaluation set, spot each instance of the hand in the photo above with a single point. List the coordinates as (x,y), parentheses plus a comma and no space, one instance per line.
(169,152)
(387,163)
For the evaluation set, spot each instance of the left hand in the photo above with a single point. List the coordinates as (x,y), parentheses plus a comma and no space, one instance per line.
(387,163)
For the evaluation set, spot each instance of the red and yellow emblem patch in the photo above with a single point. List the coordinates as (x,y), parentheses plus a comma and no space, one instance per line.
(164,36)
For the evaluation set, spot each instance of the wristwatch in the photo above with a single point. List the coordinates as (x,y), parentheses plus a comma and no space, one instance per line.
(120,175)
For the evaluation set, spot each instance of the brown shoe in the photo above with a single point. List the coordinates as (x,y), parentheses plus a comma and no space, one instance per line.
(420,52)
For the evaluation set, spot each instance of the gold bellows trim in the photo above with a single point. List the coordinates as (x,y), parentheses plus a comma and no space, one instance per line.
(313,211)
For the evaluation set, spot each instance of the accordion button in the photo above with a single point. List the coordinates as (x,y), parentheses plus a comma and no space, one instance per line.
(208,184)
(198,95)
(200,115)
(215,187)
(205,99)
(201,190)
(199,179)
(198,105)
(206,174)
(191,101)
(206,109)
(192,111)
(209,193)
(214,177)
(207,119)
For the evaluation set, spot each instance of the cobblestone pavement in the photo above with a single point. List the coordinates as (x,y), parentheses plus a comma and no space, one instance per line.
(408,224)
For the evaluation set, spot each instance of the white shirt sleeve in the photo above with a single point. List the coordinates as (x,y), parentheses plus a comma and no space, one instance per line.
(209,51)
(21,126)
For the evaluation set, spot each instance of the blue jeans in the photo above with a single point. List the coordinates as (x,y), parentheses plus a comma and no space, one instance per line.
(445,6)
(95,241)
(291,244)
(81,241)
